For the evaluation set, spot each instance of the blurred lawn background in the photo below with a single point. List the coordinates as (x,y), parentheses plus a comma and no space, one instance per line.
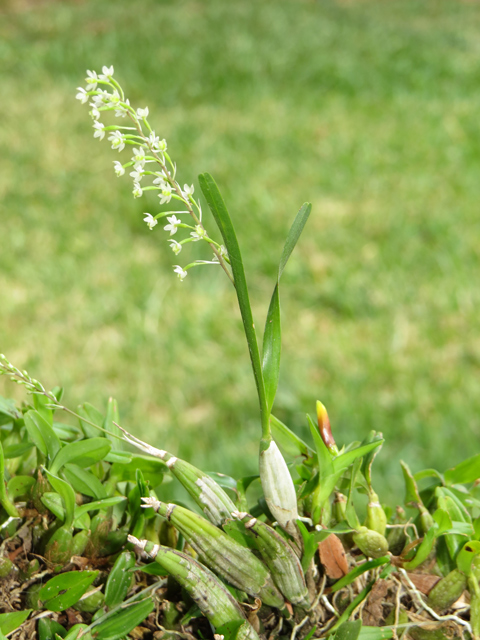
(368,109)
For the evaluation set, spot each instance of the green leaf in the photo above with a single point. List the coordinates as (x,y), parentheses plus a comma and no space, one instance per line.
(443,520)
(375,633)
(84,481)
(294,234)
(272,336)
(465,472)
(310,545)
(272,345)
(19,486)
(105,503)
(287,440)
(466,556)
(154,569)
(412,496)
(48,629)
(119,579)
(344,460)
(5,501)
(354,573)
(9,409)
(11,621)
(53,502)
(83,453)
(111,417)
(423,551)
(64,590)
(349,630)
(16,450)
(119,456)
(90,414)
(153,469)
(368,459)
(119,625)
(224,223)
(66,432)
(74,632)
(68,496)
(42,434)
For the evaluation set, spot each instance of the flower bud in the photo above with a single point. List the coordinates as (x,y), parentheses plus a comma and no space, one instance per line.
(371,543)
(325,429)
(278,486)
(376,518)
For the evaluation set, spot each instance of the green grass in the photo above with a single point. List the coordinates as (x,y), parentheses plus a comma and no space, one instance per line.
(368,109)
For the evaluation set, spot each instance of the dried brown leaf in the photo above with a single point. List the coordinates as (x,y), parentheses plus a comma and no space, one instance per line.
(333,558)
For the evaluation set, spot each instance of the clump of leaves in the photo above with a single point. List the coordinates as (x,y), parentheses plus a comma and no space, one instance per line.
(89,547)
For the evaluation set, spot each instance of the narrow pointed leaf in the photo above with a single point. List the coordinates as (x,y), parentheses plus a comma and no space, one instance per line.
(465,472)
(68,496)
(124,621)
(224,223)
(272,335)
(42,434)
(289,441)
(293,235)
(272,341)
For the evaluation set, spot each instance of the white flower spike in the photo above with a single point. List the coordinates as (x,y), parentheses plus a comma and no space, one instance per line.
(150,220)
(142,113)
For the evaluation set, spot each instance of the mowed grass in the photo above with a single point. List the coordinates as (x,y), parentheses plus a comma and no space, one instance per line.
(368,109)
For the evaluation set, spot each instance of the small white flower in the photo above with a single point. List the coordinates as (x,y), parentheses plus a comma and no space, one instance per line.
(139,158)
(166,194)
(100,98)
(198,234)
(91,80)
(153,140)
(137,175)
(223,252)
(175,246)
(107,73)
(182,274)
(119,170)
(173,224)
(95,113)
(162,145)
(114,99)
(188,191)
(99,130)
(142,113)
(137,190)
(160,181)
(150,220)
(82,95)
(117,140)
